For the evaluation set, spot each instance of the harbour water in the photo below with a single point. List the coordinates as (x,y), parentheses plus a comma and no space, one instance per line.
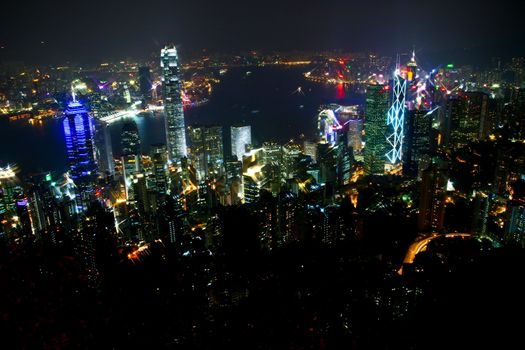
(277,102)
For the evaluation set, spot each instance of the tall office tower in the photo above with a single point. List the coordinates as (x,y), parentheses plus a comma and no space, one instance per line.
(78,132)
(355,134)
(376,128)
(287,215)
(233,188)
(241,136)
(291,157)
(417,142)
(131,156)
(233,168)
(7,191)
(396,121)
(272,160)
(97,229)
(24,225)
(327,160)
(145,83)
(310,149)
(173,109)
(253,177)
(432,199)
(207,151)
(159,159)
(344,161)
(130,138)
(104,149)
(466,117)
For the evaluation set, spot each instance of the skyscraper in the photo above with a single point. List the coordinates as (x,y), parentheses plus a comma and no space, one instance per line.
(78,133)
(173,109)
(240,137)
(417,142)
(376,128)
(466,118)
(145,83)
(396,120)
(207,150)
(432,199)
(104,149)
(355,134)
(130,138)
(158,158)
(131,156)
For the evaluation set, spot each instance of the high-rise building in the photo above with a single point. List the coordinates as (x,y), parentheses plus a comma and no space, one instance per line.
(376,128)
(173,108)
(466,118)
(159,160)
(78,133)
(310,149)
(104,148)
(432,199)
(145,83)
(131,156)
(396,121)
(417,142)
(241,136)
(290,158)
(273,163)
(207,150)
(355,134)
(130,138)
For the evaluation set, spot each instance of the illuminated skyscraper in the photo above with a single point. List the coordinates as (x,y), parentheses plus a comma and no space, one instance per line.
(466,117)
(241,136)
(131,156)
(78,132)
(355,134)
(158,158)
(376,128)
(207,150)
(172,89)
(396,119)
(432,199)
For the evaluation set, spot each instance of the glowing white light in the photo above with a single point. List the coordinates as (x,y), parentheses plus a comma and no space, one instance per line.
(7,173)
(396,119)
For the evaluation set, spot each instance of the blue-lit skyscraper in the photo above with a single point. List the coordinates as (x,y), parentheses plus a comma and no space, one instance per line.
(78,132)
(172,89)
(396,120)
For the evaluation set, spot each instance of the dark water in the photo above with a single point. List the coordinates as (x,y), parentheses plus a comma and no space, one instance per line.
(267,99)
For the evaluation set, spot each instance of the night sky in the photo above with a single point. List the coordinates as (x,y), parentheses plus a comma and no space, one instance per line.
(95,30)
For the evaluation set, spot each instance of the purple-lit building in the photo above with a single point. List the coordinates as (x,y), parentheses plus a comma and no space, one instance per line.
(78,134)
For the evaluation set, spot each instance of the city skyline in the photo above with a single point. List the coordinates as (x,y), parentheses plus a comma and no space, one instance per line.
(370,196)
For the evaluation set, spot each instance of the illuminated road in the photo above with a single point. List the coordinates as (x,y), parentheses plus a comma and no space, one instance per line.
(421,245)
(127,113)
